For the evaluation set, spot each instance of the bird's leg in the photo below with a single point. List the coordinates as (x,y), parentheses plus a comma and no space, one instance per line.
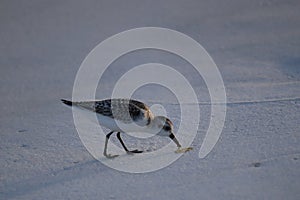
(121,141)
(125,148)
(105,147)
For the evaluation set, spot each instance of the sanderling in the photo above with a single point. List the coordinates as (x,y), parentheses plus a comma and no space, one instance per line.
(128,115)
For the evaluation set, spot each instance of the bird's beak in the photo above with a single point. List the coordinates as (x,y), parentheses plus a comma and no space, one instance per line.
(172,136)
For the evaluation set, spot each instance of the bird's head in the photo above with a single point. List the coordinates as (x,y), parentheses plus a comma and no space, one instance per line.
(164,127)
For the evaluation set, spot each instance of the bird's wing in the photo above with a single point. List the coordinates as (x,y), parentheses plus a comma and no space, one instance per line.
(125,110)
(140,112)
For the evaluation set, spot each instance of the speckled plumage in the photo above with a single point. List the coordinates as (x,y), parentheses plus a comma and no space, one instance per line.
(124,110)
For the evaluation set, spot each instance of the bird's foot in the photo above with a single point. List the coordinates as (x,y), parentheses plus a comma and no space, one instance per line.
(183,150)
(110,156)
(134,151)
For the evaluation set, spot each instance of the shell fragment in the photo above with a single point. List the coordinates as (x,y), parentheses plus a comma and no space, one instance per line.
(183,150)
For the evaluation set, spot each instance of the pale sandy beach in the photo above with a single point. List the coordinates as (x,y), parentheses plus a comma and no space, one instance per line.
(256,46)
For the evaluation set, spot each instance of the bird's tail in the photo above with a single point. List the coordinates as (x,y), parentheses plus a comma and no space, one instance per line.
(69,103)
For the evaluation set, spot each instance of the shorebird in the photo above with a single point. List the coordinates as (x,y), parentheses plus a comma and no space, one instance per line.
(127,115)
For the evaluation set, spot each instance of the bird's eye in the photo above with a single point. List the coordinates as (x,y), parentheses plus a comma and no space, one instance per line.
(167,128)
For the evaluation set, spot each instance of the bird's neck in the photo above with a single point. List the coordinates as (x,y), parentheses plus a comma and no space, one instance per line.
(152,127)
